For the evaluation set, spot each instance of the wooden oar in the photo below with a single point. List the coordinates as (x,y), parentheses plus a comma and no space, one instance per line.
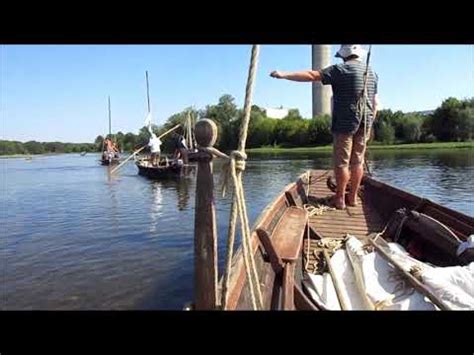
(335,281)
(139,150)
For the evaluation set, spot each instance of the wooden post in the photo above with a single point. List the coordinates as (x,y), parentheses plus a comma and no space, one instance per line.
(205,230)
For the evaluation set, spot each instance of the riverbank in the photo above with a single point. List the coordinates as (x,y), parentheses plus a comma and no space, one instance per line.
(328,148)
(18,156)
(32,156)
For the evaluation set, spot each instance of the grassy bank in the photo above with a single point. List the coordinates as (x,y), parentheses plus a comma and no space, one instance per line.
(12,156)
(328,148)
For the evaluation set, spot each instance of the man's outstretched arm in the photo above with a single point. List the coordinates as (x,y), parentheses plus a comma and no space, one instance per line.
(305,75)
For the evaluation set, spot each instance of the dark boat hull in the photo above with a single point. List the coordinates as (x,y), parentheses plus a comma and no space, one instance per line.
(109,162)
(192,156)
(158,172)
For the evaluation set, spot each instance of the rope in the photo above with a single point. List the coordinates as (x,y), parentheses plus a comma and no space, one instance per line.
(320,177)
(308,241)
(402,285)
(364,94)
(312,210)
(308,249)
(399,228)
(214,151)
(362,106)
(331,244)
(234,169)
(317,210)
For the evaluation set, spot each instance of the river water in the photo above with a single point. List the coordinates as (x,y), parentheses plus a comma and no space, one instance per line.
(74,237)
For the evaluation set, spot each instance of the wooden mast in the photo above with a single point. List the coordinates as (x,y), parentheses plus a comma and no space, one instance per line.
(147,91)
(110,120)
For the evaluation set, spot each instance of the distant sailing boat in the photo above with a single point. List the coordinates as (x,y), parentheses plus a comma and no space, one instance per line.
(162,168)
(110,154)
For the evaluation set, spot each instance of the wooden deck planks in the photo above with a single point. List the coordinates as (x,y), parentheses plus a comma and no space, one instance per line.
(359,221)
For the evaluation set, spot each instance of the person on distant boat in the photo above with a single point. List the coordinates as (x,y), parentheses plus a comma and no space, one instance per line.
(347,81)
(154,143)
(181,149)
(111,150)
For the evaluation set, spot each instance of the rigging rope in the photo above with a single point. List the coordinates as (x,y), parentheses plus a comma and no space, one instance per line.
(233,170)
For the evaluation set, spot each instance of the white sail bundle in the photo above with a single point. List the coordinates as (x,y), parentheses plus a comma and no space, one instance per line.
(369,282)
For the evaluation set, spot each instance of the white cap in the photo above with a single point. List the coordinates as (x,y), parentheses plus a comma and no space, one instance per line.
(347,50)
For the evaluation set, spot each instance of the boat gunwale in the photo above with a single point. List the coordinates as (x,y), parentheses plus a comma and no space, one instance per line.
(237,275)
(421,203)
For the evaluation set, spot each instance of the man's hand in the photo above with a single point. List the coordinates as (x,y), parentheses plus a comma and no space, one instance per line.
(276,74)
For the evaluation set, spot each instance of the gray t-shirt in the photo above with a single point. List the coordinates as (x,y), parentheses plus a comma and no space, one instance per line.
(347,81)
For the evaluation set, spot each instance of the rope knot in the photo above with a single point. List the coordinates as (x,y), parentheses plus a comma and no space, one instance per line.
(239,159)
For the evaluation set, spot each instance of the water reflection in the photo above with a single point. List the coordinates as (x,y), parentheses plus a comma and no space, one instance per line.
(445,177)
(111,207)
(182,189)
(156,205)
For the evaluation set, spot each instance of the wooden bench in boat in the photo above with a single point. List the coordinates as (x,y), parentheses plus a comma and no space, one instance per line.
(283,248)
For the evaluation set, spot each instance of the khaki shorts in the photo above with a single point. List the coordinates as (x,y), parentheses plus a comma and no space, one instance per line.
(349,149)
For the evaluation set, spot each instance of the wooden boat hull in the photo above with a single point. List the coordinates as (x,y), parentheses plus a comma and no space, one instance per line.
(110,161)
(193,156)
(158,172)
(377,205)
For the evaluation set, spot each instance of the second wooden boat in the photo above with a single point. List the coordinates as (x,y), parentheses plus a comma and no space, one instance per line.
(109,157)
(165,169)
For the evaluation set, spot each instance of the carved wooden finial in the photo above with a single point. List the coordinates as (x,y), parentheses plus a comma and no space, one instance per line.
(205,131)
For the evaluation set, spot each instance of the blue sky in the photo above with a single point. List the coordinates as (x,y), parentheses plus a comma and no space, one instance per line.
(59,92)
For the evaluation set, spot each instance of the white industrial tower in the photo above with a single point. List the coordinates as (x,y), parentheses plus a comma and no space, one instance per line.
(321,58)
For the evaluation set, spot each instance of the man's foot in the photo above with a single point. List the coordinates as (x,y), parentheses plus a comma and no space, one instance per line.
(352,201)
(338,203)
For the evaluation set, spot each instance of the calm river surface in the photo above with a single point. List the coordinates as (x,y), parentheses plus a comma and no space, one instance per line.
(73,237)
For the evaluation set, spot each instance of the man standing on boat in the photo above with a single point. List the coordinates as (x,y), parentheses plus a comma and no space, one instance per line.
(110,151)
(181,149)
(349,138)
(154,143)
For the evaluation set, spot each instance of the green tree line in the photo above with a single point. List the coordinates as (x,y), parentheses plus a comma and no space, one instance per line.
(452,121)
(34,147)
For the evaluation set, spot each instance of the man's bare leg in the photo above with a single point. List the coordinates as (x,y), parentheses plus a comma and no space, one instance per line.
(342,178)
(357,172)
(357,166)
